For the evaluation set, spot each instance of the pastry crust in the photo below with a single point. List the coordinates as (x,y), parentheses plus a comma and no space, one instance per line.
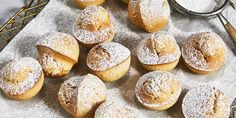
(204,52)
(93,26)
(109,61)
(22,79)
(80,96)
(151,15)
(125,1)
(158,90)
(112,109)
(84,3)
(205,101)
(159,52)
(58,52)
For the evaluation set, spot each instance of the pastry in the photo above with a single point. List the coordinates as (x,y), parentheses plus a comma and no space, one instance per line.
(204,52)
(205,101)
(158,90)
(125,1)
(159,52)
(93,26)
(80,96)
(22,79)
(85,3)
(111,109)
(151,15)
(109,61)
(58,52)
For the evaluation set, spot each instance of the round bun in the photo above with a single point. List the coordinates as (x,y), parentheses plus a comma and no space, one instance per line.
(93,26)
(58,52)
(85,3)
(158,90)
(159,52)
(22,79)
(204,52)
(113,109)
(151,15)
(80,96)
(205,101)
(125,1)
(109,61)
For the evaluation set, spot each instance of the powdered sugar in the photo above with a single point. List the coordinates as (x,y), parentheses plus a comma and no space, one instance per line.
(107,55)
(156,84)
(161,48)
(205,101)
(12,79)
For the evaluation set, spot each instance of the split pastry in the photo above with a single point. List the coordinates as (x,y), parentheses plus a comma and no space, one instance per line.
(58,53)
(21,79)
(80,96)
(204,52)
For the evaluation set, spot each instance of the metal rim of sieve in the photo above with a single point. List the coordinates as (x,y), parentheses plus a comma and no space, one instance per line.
(183,10)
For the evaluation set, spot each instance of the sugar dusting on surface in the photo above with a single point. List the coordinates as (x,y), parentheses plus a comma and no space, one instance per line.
(9,82)
(205,101)
(152,50)
(58,17)
(107,55)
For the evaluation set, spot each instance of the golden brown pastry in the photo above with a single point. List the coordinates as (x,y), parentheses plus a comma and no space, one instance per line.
(112,109)
(125,1)
(93,26)
(205,101)
(159,52)
(151,15)
(58,52)
(85,3)
(158,90)
(22,79)
(80,96)
(204,52)
(109,61)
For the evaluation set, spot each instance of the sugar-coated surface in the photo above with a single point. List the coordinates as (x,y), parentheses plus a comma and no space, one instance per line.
(59,15)
(205,102)
(107,55)
(151,50)
(9,81)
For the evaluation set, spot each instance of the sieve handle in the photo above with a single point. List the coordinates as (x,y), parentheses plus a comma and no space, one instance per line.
(228,27)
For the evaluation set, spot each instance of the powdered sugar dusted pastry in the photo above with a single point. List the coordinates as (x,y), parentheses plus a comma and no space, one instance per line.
(21,79)
(204,52)
(159,52)
(111,109)
(80,96)
(93,26)
(109,61)
(85,3)
(58,52)
(151,15)
(205,101)
(158,90)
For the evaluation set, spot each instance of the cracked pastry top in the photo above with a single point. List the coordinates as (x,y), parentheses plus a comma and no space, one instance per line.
(80,95)
(107,55)
(158,90)
(93,26)
(205,101)
(204,52)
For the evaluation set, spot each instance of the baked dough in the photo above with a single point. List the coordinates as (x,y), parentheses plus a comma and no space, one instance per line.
(21,79)
(204,52)
(93,26)
(125,1)
(158,90)
(109,61)
(151,15)
(159,52)
(85,3)
(58,52)
(205,101)
(80,96)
